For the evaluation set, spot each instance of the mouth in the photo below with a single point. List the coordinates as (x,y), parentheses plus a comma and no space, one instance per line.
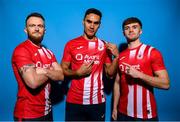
(131,34)
(36,34)
(91,31)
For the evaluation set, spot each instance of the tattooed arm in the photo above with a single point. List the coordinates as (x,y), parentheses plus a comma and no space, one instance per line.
(30,76)
(55,72)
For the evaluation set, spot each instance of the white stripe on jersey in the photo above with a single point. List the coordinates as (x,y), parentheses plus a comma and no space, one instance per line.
(47,102)
(130,104)
(149,105)
(95,89)
(102,86)
(141,51)
(86,91)
(41,52)
(139,102)
(132,54)
(149,51)
(50,52)
(91,45)
(47,53)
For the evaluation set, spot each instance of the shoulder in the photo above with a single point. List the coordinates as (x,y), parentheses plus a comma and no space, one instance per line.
(153,52)
(21,48)
(152,49)
(21,52)
(74,41)
(80,38)
(102,40)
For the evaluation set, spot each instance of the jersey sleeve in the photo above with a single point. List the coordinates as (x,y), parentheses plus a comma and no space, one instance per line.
(54,58)
(67,54)
(21,57)
(157,62)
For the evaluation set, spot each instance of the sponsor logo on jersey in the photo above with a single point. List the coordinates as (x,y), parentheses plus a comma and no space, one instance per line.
(124,67)
(80,47)
(41,65)
(88,58)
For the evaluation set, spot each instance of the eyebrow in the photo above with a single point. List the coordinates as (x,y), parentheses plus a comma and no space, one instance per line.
(126,26)
(95,22)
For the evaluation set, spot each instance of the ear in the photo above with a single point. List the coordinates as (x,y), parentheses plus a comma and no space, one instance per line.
(25,30)
(83,22)
(141,31)
(99,24)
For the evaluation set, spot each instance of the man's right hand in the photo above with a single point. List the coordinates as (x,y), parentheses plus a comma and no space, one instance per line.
(85,69)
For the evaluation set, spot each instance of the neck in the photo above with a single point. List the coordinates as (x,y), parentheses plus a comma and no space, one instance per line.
(35,43)
(89,37)
(134,44)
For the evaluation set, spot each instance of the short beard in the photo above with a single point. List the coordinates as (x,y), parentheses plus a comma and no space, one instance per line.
(36,41)
(89,37)
(132,40)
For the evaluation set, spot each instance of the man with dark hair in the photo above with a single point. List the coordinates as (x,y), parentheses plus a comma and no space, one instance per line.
(83,61)
(34,67)
(141,68)
(94,11)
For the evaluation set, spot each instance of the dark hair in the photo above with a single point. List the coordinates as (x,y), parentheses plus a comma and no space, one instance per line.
(131,20)
(94,11)
(35,14)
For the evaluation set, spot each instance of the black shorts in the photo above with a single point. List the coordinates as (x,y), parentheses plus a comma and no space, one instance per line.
(123,117)
(77,112)
(48,117)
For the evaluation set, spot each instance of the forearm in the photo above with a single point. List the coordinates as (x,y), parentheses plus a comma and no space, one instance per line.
(111,70)
(83,71)
(31,77)
(71,73)
(55,74)
(160,78)
(40,79)
(116,95)
(68,72)
(35,80)
(159,82)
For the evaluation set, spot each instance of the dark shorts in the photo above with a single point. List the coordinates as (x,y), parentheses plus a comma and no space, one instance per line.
(48,117)
(123,117)
(77,112)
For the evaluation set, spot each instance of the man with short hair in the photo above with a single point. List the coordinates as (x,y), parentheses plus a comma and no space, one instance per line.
(34,67)
(83,61)
(141,68)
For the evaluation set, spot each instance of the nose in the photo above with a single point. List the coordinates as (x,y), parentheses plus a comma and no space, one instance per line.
(92,25)
(131,29)
(36,28)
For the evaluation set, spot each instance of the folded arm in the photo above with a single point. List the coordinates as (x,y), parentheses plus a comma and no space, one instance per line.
(31,77)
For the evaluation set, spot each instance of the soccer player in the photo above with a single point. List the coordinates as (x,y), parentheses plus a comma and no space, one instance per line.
(83,61)
(34,67)
(141,68)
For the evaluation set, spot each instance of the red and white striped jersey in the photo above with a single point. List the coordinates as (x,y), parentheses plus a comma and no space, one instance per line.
(136,97)
(88,90)
(31,103)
